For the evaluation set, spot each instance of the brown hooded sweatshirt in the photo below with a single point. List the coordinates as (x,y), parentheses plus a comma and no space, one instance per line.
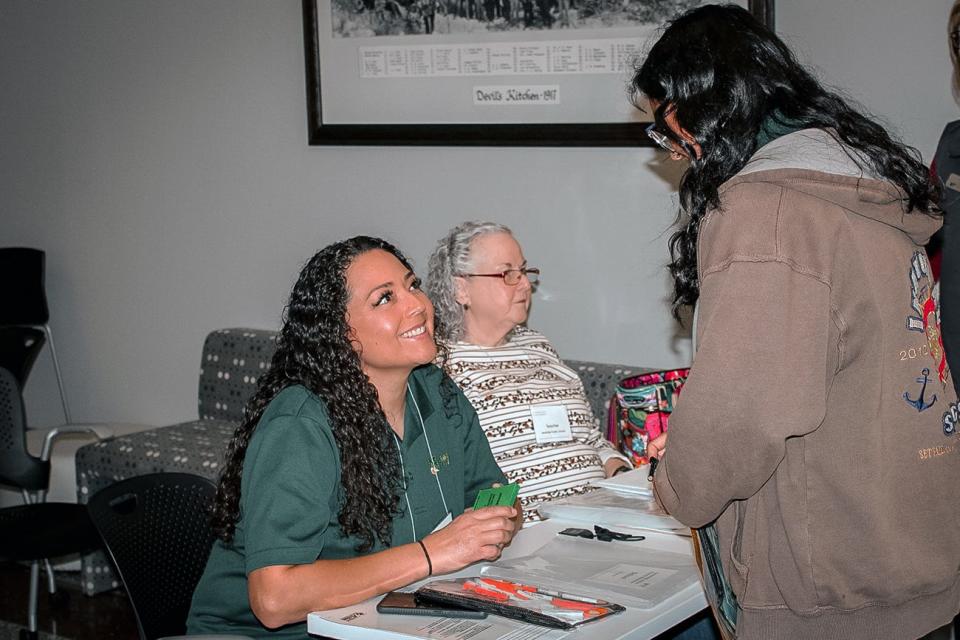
(819,420)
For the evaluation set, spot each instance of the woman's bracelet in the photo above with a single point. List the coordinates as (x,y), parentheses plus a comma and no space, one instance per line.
(427,556)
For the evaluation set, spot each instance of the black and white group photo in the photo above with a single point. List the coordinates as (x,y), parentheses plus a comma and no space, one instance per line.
(368,18)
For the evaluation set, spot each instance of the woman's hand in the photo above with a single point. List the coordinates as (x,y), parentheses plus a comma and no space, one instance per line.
(612,466)
(658,446)
(517,519)
(474,535)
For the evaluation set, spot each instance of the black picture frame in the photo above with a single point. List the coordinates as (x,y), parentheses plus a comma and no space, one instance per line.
(620,134)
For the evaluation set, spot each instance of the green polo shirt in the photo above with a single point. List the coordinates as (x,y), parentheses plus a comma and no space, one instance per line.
(290,494)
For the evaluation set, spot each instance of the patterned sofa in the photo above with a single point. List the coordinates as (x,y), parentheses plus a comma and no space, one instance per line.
(231,363)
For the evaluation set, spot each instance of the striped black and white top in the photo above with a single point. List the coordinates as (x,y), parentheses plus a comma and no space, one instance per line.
(503,383)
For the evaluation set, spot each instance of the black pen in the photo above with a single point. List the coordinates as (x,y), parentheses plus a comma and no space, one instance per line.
(653,468)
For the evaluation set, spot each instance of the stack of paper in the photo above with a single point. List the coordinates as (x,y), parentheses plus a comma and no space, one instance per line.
(631,482)
(612,509)
(626,572)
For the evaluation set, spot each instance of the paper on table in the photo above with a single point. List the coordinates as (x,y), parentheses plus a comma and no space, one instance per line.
(611,509)
(362,622)
(633,575)
(629,482)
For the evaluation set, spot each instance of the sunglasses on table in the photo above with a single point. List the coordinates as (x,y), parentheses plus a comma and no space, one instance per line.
(601,533)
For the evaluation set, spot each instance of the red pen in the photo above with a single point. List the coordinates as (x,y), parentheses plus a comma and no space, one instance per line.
(480,591)
(510,587)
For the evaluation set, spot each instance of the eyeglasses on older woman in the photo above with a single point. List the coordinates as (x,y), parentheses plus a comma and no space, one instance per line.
(510,277)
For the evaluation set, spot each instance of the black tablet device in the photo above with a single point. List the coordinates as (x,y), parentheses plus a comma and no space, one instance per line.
(406,603)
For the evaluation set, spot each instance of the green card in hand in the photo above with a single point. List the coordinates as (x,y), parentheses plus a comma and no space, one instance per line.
(503,496)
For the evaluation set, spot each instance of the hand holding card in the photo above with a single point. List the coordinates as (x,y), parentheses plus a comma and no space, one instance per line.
(477,534)
(503,496)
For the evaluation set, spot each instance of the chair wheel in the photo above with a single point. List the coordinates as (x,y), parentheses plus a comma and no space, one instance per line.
(59,599)
(28,635)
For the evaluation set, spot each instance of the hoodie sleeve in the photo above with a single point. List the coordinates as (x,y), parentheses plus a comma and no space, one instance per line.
(759,377)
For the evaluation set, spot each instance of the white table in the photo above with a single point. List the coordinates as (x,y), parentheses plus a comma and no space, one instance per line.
(636,624)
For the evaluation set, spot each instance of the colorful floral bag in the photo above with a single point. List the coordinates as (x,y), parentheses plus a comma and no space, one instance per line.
(640,410)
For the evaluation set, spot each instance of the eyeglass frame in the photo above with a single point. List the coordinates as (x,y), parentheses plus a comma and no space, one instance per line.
(666,142)
(663,140)
(523,271)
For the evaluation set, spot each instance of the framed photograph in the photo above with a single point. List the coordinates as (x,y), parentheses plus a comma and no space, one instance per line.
(481,72)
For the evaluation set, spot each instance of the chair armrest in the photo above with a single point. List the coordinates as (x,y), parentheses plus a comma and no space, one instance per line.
(56,432)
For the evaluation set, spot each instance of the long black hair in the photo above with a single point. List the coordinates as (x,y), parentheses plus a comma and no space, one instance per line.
(724,74)
(314,350)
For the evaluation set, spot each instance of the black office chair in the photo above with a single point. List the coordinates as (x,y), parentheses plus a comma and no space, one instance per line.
(36,530)
(19,348)
(23,300)
(156,529)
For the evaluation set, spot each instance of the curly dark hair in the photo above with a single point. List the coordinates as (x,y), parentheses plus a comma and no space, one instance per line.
(725,74)
(314,350)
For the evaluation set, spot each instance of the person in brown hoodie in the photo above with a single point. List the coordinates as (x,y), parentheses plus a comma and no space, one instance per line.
(816,437)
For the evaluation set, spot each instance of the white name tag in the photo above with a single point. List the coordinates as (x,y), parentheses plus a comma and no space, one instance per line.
(953,181)
(447,519)
(551,424)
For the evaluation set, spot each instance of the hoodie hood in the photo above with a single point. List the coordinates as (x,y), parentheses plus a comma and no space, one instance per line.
(814,162)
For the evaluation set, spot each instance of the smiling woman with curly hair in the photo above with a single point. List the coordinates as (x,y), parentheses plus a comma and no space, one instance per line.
(356,460)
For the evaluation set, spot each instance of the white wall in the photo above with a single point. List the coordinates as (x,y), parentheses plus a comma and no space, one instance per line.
(890,55)
(157,152)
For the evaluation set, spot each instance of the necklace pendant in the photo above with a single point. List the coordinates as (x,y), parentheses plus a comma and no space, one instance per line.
(433,469)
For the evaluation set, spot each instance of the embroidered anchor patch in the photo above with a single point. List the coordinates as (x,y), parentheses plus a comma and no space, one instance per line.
(919,404)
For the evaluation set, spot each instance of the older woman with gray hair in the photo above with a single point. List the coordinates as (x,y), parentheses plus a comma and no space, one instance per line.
(532,407)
